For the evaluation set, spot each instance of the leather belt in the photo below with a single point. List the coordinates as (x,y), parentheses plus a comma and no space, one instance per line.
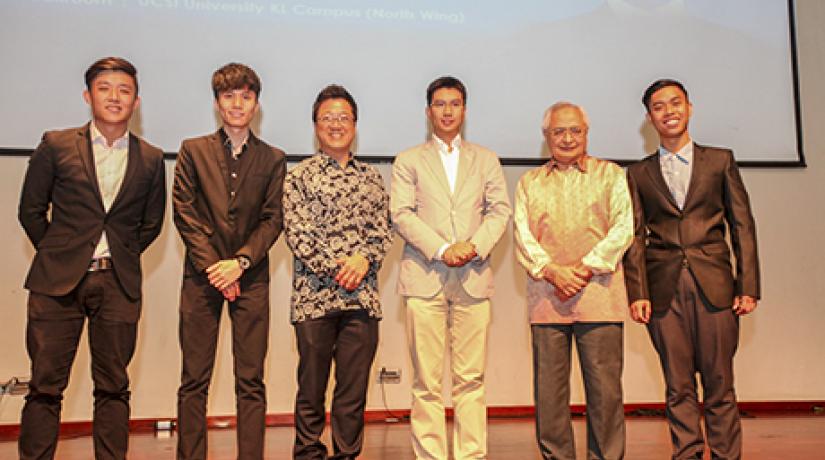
(103,263)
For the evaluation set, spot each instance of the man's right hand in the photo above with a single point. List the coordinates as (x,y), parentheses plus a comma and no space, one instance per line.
(459,254)
(232,292)
(567,279)
(640,311)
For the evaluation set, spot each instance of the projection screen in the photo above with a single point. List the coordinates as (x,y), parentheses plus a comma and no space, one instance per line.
(736,58)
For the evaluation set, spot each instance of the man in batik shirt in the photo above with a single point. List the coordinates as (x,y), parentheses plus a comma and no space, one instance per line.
(336,212)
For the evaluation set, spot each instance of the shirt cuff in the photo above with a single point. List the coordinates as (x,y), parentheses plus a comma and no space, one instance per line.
(440,254)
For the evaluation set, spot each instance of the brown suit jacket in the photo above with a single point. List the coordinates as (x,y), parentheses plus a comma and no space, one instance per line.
(427,215)
(61,176)
(215,226)
(667,238)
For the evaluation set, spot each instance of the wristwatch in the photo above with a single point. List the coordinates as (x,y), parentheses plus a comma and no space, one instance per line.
(244,262)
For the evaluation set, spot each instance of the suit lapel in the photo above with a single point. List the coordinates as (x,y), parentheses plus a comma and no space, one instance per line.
(216,149)
(433,160)
(699,156)
(654,170)
(132,161)
(465,165)
(84,149)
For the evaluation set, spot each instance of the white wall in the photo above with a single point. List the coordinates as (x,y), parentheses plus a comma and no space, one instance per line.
(781,343)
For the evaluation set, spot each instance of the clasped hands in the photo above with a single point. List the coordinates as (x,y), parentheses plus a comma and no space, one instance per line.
(224,276)
(351,271)
(459,254)
(568,279)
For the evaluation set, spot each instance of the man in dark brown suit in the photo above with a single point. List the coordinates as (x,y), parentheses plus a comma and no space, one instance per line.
(679,276)
(227,205)
(106,192)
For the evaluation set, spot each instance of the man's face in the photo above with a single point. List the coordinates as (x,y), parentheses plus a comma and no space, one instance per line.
(335,126)
(237,107)
(567,135)
(112,98)
(446,113)
(669,111)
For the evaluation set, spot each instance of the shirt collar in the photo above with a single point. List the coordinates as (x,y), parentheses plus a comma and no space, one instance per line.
(580,164)
(329,161)
(227,142)
(684,155)
(99,139)
(454,146)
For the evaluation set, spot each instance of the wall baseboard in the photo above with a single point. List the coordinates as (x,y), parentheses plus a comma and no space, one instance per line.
(748,408)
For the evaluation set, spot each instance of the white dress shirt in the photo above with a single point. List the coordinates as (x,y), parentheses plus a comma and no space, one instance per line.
(449,158)
(110,167)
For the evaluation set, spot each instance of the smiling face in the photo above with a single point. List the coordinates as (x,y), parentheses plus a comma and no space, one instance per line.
(237,107)
(446,113)
(112,97)
(669,112)
(567,134)
(335,127)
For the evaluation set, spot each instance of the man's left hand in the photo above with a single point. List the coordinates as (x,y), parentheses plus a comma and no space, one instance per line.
(743,304)
(223,273)
(352,270)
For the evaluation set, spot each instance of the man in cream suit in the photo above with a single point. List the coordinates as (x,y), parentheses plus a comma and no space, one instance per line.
(449,203)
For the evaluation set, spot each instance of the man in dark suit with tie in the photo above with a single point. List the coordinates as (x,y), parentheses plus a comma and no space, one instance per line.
(227,208)
(679,275)
(93,200)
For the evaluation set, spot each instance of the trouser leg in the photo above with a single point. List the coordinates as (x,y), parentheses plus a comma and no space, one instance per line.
(112,336)
(469,322)
(353,355)
(249,314)
(200,313)
(717,340)
(600,348)
(53,331)
(316,340)
(426,335)
(673,333)
(551,390)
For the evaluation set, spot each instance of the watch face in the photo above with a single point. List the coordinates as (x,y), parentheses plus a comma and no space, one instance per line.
(244,262)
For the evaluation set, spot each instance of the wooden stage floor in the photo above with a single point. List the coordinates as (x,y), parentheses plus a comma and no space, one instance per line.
(774,437)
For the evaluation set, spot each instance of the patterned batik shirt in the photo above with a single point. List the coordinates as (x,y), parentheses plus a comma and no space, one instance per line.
(332,212)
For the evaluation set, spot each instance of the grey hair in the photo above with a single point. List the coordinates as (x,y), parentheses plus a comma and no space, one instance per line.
(545,124)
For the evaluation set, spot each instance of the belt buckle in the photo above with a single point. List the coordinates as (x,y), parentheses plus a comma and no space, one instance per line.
(103,263)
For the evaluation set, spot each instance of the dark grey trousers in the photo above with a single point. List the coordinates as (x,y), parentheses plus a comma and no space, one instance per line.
(599,346)
(693,336)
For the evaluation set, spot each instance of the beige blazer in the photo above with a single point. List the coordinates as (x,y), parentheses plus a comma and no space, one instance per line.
(427,216)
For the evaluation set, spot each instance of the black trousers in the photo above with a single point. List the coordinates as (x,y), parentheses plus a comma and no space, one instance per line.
(200,315)
(350,339)
(52,335)
(692,337)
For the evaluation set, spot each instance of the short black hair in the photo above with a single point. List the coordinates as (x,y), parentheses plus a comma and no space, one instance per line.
(659,84)
(234,76)
(110,64)
(446,82)
(334,92)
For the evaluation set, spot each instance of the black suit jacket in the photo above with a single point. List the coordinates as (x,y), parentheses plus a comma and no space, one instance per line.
(61,176)
(667,238)
(215,226)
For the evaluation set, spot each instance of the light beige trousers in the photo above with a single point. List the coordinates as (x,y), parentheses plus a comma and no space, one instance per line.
(454,321)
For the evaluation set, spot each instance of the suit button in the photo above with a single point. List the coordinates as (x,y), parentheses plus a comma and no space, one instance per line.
(685,263)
